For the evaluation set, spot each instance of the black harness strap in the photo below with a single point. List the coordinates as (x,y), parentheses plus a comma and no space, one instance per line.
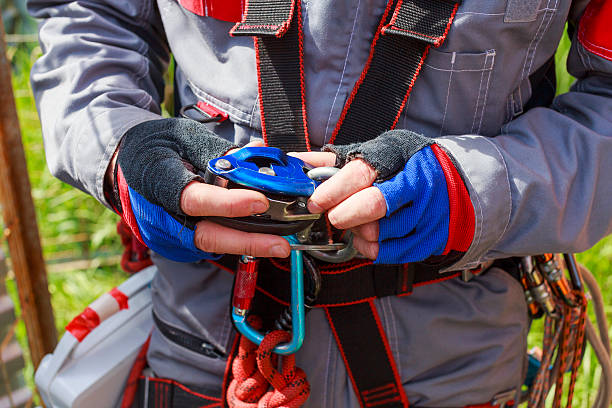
(280,70)
(396,57)
(367,358)
(163,393)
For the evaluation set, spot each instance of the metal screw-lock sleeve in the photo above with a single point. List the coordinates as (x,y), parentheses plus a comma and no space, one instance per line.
(538,287)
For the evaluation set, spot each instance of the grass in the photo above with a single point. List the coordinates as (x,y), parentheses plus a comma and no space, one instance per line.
(74,226)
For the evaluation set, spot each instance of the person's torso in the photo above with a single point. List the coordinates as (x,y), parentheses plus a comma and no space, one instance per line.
(474,83)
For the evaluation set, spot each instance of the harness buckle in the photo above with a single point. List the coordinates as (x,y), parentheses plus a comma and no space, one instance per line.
(207,113)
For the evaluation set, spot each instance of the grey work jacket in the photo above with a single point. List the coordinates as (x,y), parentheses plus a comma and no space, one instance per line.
(538,178)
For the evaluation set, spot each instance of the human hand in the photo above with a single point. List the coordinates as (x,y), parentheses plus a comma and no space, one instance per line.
(161,194)
(400,195)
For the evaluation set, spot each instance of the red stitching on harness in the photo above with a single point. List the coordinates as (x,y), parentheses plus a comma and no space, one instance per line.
(337,271)
(280,28)
(395,13)
(248,26)
(363,73)
(339,343)
(301,54)
(245,12)
(451,276)
(448,26)
(184,388)
(370,400)
(437,40)
(379,389)
(356,302)
(385,341)
(373,404)
(390,27)
(264,131)
(414,77)
(271,296)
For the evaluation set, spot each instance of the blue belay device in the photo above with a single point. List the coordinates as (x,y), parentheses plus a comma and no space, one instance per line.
(284,181)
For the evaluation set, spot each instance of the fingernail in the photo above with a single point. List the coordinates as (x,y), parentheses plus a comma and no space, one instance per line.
(279,251)
(314,208)
(258,207)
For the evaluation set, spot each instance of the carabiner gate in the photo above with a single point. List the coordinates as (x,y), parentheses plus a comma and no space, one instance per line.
(245,288)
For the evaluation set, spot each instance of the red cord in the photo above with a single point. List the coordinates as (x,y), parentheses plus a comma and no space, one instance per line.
(254,371)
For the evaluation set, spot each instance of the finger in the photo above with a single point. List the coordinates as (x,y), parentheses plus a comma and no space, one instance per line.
(353,177)
(317,159)
(211,237)
(368,232)
(202,200)
(363,207)
(366,248)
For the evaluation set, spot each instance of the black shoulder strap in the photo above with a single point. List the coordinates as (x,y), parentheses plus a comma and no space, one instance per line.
(406,31)
(276,27)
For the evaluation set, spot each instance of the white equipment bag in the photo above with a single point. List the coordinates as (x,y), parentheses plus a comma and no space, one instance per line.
(90,365)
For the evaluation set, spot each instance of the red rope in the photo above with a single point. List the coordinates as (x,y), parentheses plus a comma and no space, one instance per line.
(254,371)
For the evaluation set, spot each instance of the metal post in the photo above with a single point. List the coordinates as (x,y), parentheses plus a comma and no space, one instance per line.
(20,220)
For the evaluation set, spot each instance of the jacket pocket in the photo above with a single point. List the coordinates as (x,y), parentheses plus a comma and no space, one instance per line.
(451,95)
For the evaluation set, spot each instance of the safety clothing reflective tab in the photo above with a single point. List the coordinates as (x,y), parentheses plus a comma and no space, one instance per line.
(280,71)
(462,221)
(164,393)
(595,33)
(367,357)
(212,111)
(226,10)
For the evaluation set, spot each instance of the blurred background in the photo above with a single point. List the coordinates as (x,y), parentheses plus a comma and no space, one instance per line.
(80,243)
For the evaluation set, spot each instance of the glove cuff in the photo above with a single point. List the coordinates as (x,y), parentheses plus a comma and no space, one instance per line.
(387,154)
(462,222)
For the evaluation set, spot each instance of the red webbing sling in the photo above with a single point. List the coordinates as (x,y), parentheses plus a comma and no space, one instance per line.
(405,33)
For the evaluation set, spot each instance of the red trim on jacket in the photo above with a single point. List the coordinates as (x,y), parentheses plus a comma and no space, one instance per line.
(595,33)
(462,223)
(226,10)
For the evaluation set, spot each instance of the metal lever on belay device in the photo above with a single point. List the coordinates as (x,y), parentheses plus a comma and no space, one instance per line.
(287,182)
